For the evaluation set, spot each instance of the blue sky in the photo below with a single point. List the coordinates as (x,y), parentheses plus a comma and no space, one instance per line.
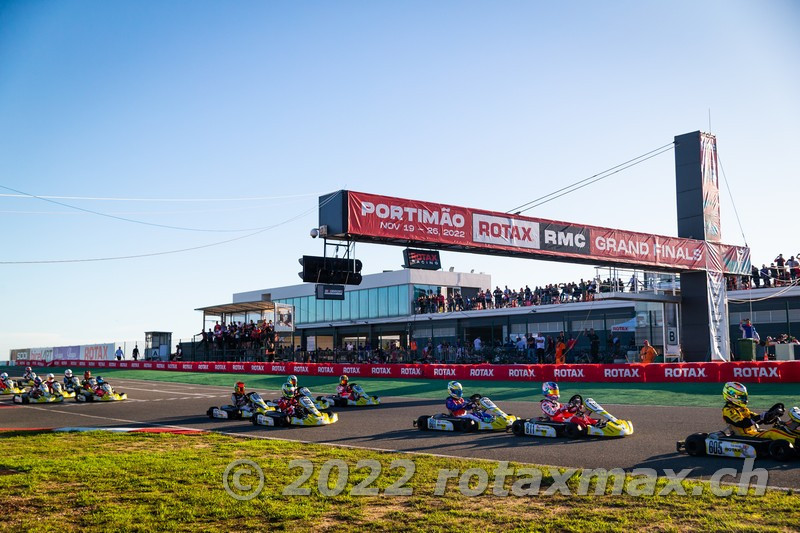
(262,106)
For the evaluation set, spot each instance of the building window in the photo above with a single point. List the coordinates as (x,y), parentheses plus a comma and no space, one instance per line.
(363,304)
(383,301)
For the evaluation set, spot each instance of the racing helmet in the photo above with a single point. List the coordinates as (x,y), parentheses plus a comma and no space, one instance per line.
(455,389)
(343,380)
(28,369)
(37,381)
(50,376)
(735,392)
(292,379)
(239,387)
(87,374)
(68,373)
(550,390)
(288,390)
(100,381)
(4,376)
(794,415)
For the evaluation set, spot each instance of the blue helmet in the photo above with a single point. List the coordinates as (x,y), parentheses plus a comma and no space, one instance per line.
(100,380)
(550,390)
(37,381)
(455,389)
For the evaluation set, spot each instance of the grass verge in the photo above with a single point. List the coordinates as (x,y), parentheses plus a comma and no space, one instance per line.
(157,482)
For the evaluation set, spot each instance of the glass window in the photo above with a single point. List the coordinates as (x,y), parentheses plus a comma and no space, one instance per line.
(394,303)
(337,309)
(373,303)
(328,310)
(383,301)
(305,303)
(320,305)
(346,305)
(354,305)
(402,300)
(363,303)
(312,309)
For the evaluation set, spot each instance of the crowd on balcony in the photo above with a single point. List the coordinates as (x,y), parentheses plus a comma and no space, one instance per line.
(240,336)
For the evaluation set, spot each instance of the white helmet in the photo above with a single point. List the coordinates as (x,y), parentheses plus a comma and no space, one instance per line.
(794,414)
(4,376)
(50,376)
(68,373)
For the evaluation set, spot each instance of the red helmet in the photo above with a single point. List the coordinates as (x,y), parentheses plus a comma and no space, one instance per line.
(239,387)
(87,374)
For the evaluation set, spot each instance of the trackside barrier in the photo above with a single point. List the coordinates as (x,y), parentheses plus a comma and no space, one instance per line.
(745,371)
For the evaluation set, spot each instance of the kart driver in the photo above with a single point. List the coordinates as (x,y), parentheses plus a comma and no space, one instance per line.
(51,381)
(793,424)
(457,405)
(68,379)
(5,381)
(239,398)
(39,389)
(100,390)
(741,420)
(288,399)
(345,390)
(28,375)
(293,380)
(88,382)
(558,412)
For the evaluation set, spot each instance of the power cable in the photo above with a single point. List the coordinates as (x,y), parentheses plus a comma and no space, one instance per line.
(131,220)
(153,254)
(115,199)
(594,179)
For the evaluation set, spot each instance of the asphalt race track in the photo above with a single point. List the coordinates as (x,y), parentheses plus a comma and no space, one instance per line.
(389,427)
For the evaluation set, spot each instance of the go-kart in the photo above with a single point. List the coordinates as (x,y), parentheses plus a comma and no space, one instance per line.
(254,406)
(778,442)
(73,386)
(321,405)
(594,422)
(104,393)
(11,387)
(58,390)
(491,418)
(305,414)
(26,397)
(361,399)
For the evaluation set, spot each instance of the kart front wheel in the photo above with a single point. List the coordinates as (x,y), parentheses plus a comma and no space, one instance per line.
(422,423)
(780,450)
(518,428)
(696,444)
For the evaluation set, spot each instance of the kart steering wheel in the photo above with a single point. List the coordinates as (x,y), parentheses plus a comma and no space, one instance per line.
(576,402)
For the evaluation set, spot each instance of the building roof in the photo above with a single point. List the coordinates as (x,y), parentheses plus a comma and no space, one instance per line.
(241,307)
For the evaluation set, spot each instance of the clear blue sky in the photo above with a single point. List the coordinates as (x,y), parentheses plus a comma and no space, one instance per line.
(472,103)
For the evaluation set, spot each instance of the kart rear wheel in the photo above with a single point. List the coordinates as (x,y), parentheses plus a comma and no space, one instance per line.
(210,413)
(340,402)
(518,428)
(574,431)
(780,450)
(696,444)
(422,423)
(467,425)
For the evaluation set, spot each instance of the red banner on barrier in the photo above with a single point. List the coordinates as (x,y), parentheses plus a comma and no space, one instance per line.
(745,371)
(682,373)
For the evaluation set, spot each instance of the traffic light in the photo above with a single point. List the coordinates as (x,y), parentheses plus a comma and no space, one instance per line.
(331,270)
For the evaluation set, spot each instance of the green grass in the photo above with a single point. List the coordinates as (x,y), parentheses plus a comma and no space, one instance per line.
(762,396)
(136,482)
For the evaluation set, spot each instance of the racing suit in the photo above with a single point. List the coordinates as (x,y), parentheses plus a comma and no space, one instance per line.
(68,384)
(239,400)
(50,385)
(345,391)
(742,422)
(38,391)
(559,412)
(89,384)
(27,377)
(6,384)
(287,405)
(459,407)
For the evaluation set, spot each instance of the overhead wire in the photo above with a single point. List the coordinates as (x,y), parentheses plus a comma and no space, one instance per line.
(168,252)
(131,220)
(118,199)
(594,178)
